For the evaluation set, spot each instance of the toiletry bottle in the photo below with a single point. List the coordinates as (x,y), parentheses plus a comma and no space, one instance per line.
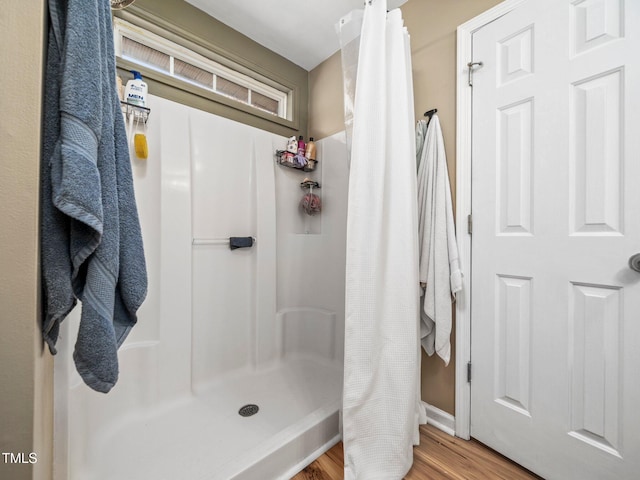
(300,160)
(310,151)
(291,150)
(292,145)
(301,146)
(136,91)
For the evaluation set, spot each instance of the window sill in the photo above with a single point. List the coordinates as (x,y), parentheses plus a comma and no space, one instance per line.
(173,89)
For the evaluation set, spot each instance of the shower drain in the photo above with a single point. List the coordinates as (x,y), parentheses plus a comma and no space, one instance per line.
(248,410)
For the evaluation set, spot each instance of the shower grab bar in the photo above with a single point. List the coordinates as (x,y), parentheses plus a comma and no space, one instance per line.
(215,241)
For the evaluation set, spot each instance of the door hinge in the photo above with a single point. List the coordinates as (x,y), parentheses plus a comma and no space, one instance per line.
(472,66)
(469,224)
(469,372)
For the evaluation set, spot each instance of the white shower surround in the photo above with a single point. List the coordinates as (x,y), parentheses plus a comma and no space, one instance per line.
(219,329)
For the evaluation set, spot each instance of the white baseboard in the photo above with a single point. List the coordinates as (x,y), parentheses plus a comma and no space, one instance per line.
(440,419)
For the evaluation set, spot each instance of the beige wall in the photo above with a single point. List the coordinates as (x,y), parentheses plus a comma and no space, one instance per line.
(432,25)
(26,374)
(326,107)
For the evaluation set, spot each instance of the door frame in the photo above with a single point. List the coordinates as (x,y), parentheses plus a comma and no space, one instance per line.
(463,207)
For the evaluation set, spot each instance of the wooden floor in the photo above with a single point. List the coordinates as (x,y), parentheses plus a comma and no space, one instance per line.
(439,457)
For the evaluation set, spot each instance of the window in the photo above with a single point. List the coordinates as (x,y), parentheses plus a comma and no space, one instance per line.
(152,51)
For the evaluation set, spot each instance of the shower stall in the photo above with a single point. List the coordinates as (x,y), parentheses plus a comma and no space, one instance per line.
(221,329)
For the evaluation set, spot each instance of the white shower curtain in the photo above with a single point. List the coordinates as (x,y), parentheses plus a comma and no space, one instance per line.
(381,403)
(349,29)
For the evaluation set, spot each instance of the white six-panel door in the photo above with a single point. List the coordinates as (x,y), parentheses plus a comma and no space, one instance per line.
(555,309)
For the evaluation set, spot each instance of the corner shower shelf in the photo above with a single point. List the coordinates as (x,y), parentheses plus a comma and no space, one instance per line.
(140,113)
(304,168)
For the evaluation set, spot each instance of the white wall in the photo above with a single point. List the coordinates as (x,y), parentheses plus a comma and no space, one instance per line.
(311,250)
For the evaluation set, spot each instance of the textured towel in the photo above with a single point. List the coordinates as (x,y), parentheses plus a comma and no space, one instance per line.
(439,261)
(91,244)
(421,134)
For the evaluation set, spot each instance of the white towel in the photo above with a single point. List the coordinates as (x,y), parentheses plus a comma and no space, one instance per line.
(439,260)
(421,135)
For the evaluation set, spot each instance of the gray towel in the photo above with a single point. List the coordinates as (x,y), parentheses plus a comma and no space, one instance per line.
(91,244)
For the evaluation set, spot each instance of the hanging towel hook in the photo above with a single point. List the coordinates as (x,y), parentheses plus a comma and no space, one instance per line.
(431,113)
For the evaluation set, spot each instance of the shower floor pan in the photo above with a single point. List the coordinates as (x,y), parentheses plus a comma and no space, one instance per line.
(204,437)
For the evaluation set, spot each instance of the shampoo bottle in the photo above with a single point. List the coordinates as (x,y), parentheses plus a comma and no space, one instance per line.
(292,145)
(310,152)
(292,148)
(300,160)
(301,146)
(136,91)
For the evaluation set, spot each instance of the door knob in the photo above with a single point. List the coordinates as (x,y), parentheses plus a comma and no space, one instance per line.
(634,262)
